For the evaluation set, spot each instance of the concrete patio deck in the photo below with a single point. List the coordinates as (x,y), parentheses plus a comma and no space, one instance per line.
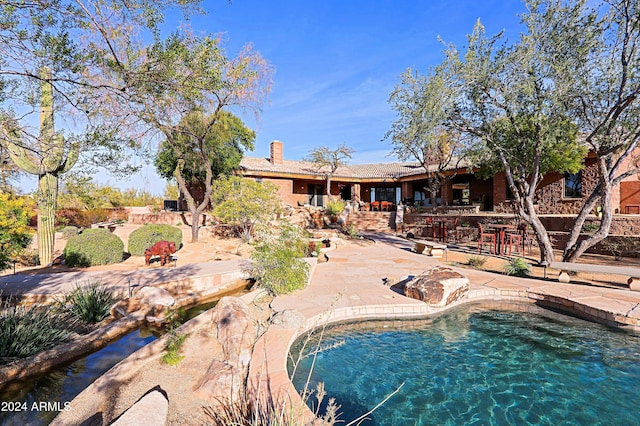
(353,285)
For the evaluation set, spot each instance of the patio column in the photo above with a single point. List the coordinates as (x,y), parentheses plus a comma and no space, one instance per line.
(355,192)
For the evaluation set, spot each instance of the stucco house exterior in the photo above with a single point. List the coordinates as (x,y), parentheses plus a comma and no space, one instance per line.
(300,182)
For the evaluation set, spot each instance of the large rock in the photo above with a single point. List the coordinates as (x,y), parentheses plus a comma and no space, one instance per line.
(439,286)
(221,384)
(237,335)
(150,410)
(155,296)
(236,331)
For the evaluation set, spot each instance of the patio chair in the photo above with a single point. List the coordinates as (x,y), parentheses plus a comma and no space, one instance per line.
(384,206)
(515,240)
(375,206)
(526,239)
(486,237)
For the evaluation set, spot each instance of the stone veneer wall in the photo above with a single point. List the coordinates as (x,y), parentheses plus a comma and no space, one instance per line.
(550,196)
(373,221)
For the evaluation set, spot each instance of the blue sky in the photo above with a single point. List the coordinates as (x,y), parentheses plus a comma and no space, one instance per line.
(336,62)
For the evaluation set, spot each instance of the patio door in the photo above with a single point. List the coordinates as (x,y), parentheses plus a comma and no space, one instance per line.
(316,195)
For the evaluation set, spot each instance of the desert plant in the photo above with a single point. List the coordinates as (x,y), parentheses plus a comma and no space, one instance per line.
(352,231)
(72,217)
(147,235)
(476,261)
(590,227)
(15,234)
(89,303)
(69,231)
(28,330)
(97,215)
(517,267)
(93,247)
(172,349)
(174,340)
(278,263)
(28,257)
(259,408)
(334,207)
(245,203)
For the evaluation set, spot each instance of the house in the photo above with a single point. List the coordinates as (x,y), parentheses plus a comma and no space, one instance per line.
(300,182)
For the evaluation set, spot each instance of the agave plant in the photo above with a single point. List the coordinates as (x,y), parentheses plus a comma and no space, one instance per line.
(89,303)
(28,330)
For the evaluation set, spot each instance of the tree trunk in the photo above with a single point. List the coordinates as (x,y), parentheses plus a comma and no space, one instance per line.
(527,212)
(47,195)
(576,249)
(195,225)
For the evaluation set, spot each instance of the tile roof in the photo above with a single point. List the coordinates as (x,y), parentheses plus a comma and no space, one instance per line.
(350,171)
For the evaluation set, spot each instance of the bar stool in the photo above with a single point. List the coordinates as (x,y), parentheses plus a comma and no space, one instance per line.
(515,240)
(491,239)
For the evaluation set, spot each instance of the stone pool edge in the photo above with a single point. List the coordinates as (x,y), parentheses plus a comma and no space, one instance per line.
(268,367)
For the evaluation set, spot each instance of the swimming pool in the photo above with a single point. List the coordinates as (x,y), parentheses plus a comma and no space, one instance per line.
(478,365)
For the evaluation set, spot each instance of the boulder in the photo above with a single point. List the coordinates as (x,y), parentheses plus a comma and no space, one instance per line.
(124,307)
(439,286)
(236,331)
(151,410)
(221,384)
(155,296)
(288,319)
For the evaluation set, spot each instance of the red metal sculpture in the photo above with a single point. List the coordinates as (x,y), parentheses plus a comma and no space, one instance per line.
(164,249)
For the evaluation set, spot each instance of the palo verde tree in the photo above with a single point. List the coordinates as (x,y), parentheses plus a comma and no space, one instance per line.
(328,161)
(245,203)
(224,141)
(186,75)
(512,109)
(419,134)
(602,93)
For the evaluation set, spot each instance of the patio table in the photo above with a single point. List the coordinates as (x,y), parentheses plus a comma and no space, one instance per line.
(500,230)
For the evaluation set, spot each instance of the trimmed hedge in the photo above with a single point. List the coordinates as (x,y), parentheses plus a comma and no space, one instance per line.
(69,231)
(146,236)
(93,247)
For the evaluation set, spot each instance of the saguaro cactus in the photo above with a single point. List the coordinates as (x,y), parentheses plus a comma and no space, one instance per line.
(47,160)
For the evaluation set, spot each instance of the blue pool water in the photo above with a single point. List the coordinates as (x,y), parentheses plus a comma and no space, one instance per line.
(478,366)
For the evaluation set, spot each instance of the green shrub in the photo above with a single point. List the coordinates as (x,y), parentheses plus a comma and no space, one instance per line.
(278,263)
(69,231)
(93,247)
(517,267)
(28,330)
(172,347)
(15,234)
(476,261)
(352,231)
(28,257)
(90,303)
(146,236)
(335,207)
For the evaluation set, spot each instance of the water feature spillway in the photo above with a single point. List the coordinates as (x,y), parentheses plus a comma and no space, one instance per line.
(37,402)
(478,366)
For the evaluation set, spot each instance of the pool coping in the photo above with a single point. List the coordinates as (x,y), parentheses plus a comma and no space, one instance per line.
(268,368)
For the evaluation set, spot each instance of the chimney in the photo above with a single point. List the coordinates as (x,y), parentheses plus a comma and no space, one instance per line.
(276,152)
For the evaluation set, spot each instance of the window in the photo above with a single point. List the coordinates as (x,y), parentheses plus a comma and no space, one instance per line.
(573,185)
(384,194)
(509,194)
